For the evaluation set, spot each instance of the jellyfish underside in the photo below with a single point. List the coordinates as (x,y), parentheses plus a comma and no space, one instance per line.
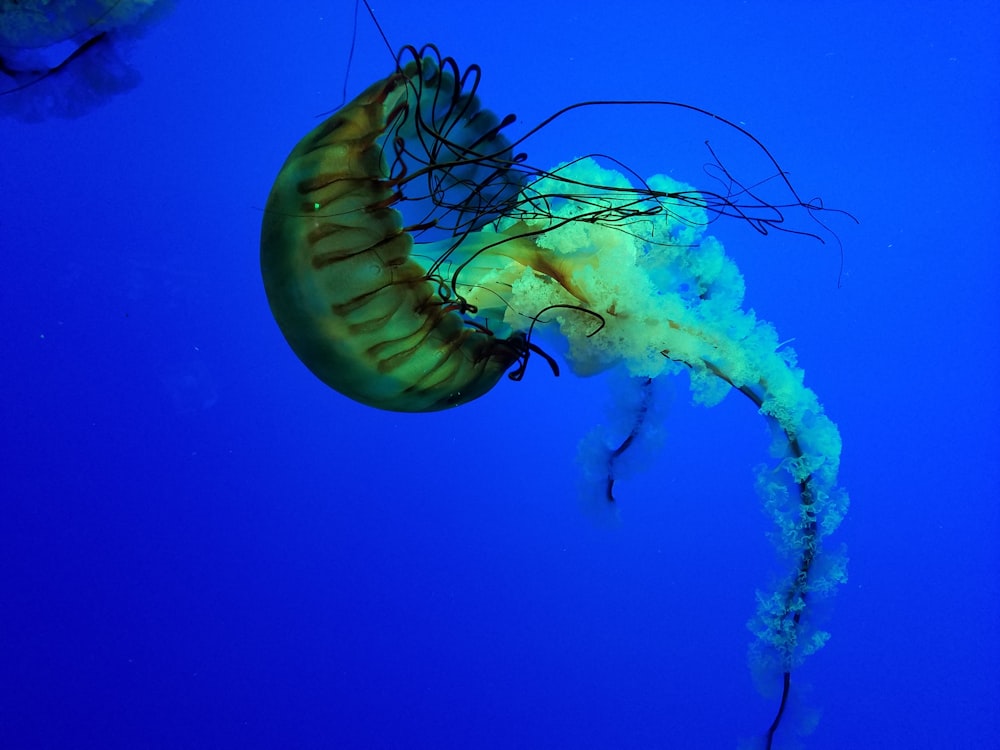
(494,253)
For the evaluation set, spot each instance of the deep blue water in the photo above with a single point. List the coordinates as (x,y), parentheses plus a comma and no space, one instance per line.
(202,546)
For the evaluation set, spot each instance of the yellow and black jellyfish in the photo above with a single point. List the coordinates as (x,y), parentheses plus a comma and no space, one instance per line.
(61,58)
(430,312)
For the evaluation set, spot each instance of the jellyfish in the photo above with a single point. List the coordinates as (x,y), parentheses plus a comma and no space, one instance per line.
(62,58)
(412,256)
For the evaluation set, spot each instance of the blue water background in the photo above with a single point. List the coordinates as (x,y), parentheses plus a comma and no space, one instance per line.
(202,546)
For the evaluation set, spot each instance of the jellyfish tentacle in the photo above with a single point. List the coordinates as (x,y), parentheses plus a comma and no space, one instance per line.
(794,599)
(676,302)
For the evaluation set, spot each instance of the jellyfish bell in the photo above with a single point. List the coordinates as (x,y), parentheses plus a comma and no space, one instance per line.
(62,58)
(411,253)
(362,299)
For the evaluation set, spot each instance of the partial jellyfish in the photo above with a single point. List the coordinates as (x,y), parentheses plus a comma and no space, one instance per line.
(412,256)
(62,58)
